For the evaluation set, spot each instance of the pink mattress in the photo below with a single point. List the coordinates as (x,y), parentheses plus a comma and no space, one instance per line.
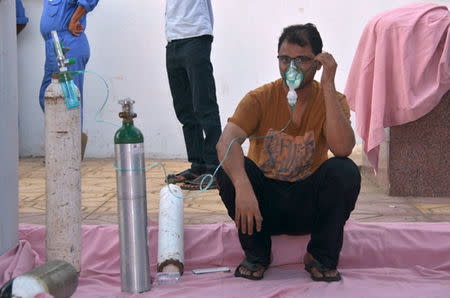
(377,260)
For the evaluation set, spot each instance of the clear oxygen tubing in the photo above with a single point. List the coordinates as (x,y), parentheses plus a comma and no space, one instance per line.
(209,177)
(99,111)
(292,101)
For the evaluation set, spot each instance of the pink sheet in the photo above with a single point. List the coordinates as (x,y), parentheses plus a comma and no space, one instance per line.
(377,260)
(400,71)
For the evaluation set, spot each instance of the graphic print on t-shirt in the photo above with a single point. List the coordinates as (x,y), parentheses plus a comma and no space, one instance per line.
(286,157)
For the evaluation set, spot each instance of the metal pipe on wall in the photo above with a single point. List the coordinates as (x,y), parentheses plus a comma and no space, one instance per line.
(9,217)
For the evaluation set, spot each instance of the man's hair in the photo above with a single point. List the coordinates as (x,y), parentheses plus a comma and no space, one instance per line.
(302,35)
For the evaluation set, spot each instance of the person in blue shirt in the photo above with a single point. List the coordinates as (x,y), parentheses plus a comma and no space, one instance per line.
(68,18)
(21,18)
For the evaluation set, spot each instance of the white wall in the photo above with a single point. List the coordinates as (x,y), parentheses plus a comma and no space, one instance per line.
(8,128)
(128,49)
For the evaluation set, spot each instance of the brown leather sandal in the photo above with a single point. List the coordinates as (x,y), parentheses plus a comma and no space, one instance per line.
(181,177)
(322,269)
(252,267)
(202,180)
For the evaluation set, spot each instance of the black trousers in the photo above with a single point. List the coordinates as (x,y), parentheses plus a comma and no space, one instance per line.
(193,89)
(318,205)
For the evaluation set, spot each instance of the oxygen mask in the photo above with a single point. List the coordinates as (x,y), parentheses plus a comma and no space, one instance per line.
(293,79)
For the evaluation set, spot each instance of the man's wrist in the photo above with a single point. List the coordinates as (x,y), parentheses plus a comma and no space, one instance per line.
(241,183)
(329,86)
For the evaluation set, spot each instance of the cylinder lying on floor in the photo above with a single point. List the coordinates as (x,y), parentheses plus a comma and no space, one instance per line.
(132,203)
(57,278)
(171,231)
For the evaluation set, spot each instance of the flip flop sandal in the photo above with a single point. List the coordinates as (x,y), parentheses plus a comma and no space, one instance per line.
(194,184)
(252,267)
(181,177)
(322,269)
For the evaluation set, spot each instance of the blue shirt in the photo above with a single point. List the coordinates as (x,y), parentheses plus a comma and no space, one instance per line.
(56,14)
(21,18)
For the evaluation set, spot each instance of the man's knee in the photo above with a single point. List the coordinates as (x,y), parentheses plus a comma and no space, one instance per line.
(226,187)
(344,175)
(343,168)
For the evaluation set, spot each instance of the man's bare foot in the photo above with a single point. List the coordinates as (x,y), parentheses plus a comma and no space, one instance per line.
(316,272)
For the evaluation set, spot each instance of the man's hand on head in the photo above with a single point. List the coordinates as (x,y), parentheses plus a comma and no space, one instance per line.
(329,68)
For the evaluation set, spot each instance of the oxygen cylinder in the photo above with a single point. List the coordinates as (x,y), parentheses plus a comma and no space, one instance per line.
(65,77)
(170,231)
(132,203)
(57,278)
(63,177)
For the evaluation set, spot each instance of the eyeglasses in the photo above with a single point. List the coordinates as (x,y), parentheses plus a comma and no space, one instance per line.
(298,61)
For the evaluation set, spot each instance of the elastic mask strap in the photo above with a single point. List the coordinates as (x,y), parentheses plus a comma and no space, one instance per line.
(314,65)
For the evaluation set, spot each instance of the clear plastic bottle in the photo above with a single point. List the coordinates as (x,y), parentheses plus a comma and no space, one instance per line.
(69,89)
(167,278)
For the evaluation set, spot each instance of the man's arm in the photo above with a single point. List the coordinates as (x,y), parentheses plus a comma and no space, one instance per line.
(21,18)
(20,27)
(247,209)
(75,26)
(338,131)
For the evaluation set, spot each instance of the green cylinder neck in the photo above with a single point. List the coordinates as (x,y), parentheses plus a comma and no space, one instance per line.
(128,134)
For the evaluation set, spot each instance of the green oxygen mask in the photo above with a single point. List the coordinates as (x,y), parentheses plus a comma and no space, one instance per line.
(293,79)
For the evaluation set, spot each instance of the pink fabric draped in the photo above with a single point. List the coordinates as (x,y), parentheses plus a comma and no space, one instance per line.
(400,71)
(377,260)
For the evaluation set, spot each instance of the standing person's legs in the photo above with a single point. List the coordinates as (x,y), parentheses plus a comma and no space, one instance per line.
(200,72)
(257,247)
(336,188)
(184,109)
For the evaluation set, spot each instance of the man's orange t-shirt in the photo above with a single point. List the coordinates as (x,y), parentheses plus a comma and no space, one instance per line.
(299,150)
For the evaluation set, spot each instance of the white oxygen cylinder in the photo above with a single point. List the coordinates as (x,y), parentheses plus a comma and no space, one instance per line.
(63,177)
(171,230)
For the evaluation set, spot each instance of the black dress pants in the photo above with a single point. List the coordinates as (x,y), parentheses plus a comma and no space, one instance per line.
(318,205)
(193,89)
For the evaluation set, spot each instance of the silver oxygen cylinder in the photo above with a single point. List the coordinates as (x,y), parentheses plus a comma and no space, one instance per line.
(132,203)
